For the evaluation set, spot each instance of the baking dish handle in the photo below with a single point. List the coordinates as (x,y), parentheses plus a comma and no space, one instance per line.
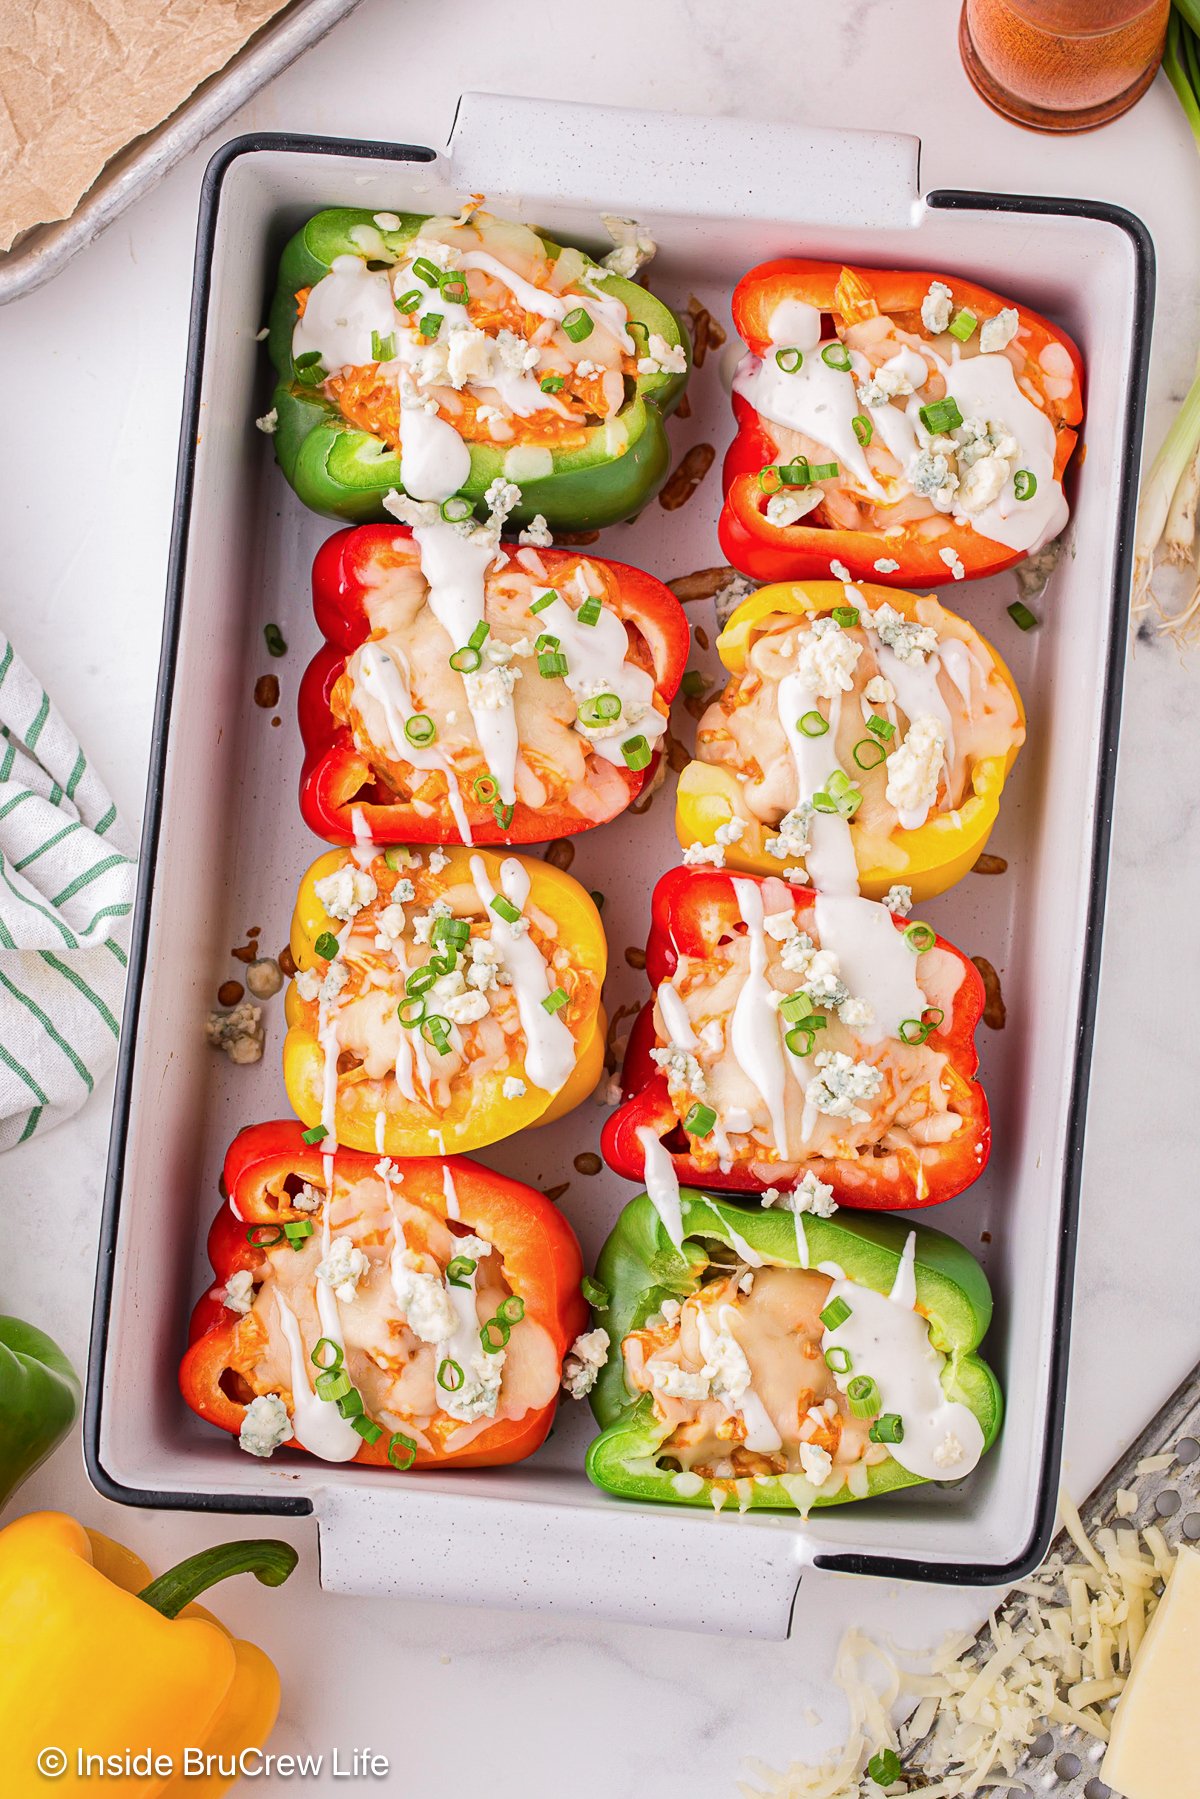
(616,158)
(619,1562)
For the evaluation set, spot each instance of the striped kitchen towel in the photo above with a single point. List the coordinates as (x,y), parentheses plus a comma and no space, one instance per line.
(66,894)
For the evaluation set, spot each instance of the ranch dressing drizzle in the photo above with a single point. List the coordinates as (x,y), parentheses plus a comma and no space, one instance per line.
(549,1045)
(597,662)
(602,309)
(451,1194)
(662,1184)
(986,387)
(364,847)
(327,1038)
(344,307)
(875,961)
(754,1029)
(675,1017)
(888,1339)
(830,858)
(383,675)
(761,1434)
(319,1425)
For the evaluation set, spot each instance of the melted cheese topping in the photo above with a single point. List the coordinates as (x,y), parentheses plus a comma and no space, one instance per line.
(400,1326)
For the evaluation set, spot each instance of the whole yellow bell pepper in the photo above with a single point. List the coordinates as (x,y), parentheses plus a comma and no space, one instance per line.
(100,1661)
(929,859)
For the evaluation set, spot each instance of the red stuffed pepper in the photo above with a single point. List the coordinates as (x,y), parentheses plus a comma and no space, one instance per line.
(469,694)
(894,426)
(815,1044)
(412,1315)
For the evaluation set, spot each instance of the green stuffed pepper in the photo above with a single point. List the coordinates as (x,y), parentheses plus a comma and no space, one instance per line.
(781,1359)
(443,357)
(39,1397)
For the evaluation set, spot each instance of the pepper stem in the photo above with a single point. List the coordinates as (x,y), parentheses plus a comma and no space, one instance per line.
(265,1557)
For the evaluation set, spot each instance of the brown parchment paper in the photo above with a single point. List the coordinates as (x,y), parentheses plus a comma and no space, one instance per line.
(80,79)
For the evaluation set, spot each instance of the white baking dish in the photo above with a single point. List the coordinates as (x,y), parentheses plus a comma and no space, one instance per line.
(224,848)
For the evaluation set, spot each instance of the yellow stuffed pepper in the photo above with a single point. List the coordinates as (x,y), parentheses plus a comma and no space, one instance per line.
(443,999)
(864,702)
(104,1662)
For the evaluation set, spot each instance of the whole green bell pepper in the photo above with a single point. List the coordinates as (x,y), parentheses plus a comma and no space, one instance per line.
(344,472)
(640,1267)
(39,1397)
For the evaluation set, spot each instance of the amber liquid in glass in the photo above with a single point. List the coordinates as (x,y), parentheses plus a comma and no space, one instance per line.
(1062,65)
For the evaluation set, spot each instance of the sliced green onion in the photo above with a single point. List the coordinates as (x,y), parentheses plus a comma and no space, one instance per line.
(637,753)
(333,1385)
(835,1313)
(962,324)
(454,931)
(577,324)
(919,937)
(326,945)
(864,430)
(884,1767)
(383,349)
(1022,616)
(694,683)
(505,909)
(795,1007)
(409,301)
(430,323)
(420,729)
(916,1031)
(455,291)
(460,1269)
(769,479)
(868,753)
(445,963)
(421,979)
(846,616)
(790,360)
(552,663)
(547,642)
(822,471)
(941,415)
(699,1121)
(256,1239)
(427,271)
(315,1134)
(838,1360)
(812,724)
(589,612)
(802,1037)
(882,728)
(836,356)
(368,1430)
(436,1031)
(596,1293)
(485,789)
(547,599)
(554,1002)
(512,1309)
(297,1230)
(457,509)
(495,1334)
(887,1428)
(479,635)
(502,814)
(795,474)
(336,1355)
(396,858)
(601,709)
(275,643)
(551,384)
(1024,484)
(863,1396)
(412,1010)
(446,1368)
(350,1405)
(465,661)
(402,1452)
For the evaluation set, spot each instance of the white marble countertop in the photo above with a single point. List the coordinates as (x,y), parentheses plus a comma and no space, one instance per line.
(93,369)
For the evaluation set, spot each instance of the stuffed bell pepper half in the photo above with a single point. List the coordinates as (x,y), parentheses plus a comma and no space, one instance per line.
(403,1316)
(780,1360)
(442,999)
(449,356)
(799,1041)
(471,692)
(899,426)
(864,733)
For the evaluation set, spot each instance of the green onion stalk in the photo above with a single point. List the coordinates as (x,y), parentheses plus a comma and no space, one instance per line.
(1166,526)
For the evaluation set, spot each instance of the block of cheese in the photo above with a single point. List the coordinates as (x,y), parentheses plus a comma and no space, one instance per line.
(1154,1752)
